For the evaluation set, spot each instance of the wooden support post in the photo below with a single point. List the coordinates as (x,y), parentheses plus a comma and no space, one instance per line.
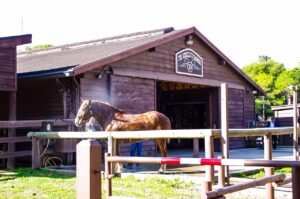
(88,169)
(295,124)
(224,124)
(268,170)
(36,153)
(206,187)
(221,175)
(111,144)
(196,147)
(12,115)
(296,182)
(108,177)
(209,153)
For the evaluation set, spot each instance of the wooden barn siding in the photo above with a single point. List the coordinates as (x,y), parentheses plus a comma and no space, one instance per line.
(162,61)
(249,108)
(236,115)
(134,95)
(39,99)
(93,88)
(7,69)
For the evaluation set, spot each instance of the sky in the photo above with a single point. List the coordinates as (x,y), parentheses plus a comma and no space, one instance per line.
(241,29)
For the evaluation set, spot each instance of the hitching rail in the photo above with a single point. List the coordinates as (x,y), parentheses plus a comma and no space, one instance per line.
(279,178)
(153,134)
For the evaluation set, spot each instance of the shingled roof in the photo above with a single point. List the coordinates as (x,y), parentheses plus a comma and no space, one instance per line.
(85,56)
(83,53)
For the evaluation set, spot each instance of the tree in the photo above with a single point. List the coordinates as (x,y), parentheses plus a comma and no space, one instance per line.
(286,78)
(265,72)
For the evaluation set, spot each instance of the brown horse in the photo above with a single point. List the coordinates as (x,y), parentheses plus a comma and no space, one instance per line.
(113,119)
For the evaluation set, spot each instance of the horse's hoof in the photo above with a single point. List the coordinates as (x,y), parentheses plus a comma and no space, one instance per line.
(161,171)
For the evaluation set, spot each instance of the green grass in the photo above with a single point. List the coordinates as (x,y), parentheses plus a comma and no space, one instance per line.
(261,173)
(28,183)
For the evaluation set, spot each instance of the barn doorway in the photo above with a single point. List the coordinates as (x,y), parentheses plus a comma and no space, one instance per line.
(188,106)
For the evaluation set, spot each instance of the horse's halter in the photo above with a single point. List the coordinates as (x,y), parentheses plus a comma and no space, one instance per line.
(90,110)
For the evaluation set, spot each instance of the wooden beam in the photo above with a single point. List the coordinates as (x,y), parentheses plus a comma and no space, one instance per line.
(15,154)
(14,139)
(180,133)
(243,186)
(33,123)
(172,77)
(14,41)
(176,133)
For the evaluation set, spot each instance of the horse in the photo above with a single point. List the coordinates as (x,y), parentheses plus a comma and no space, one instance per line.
(114,119)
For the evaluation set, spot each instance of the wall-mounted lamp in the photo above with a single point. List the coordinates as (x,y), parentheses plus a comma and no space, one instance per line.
(103,71)
(254,92)
(189,40)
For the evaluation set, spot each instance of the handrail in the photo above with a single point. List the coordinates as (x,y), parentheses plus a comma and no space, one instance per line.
(153,134)
(34,123)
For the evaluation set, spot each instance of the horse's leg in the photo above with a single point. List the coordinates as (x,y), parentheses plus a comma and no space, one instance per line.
(162,145)
(119,166)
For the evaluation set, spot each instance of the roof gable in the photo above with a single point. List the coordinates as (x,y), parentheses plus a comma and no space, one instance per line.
(87,56)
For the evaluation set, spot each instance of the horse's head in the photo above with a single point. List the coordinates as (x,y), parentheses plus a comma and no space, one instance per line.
(84,113)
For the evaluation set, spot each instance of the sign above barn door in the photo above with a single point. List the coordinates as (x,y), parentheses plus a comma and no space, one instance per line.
(188,62)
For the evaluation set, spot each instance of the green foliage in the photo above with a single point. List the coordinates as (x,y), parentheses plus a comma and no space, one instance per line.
(38,47)
(266,72)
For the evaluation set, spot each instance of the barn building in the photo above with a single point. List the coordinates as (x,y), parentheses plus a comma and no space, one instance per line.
(8,89)
(177,72)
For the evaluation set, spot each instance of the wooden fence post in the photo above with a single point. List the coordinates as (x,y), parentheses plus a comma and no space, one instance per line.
(224,125)
(296,182)
(209,153)
(111,145)
(268,170)
(221,175)
(88,169)
(108,177)
(196,147)
(295,124)
(36,153)
(12,115)
(206,187)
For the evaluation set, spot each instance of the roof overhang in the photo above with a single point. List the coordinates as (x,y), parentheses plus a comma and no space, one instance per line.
(13,41)
(51,73)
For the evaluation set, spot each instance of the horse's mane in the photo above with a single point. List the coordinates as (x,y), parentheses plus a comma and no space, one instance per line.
(107,105)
